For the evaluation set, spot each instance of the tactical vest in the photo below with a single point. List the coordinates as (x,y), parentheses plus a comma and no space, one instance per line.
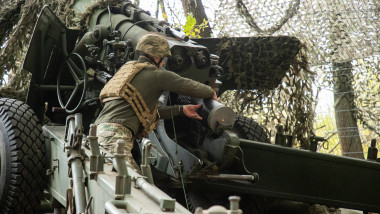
(120,87)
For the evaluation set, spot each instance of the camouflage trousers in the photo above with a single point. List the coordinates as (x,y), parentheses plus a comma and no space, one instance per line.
(109,133)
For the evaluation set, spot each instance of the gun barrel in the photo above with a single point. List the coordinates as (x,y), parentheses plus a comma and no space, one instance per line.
(214,113)
(159,25)
(179,35)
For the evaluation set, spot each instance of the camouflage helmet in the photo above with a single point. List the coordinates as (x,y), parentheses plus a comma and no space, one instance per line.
(154,45)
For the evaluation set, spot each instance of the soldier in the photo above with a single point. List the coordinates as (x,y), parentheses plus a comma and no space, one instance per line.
(131,97)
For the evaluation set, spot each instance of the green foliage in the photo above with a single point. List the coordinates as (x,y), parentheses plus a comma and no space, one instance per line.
(191,28)
(324,126)
(365,88)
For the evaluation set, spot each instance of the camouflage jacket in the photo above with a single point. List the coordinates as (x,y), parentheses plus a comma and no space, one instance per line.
(151,82)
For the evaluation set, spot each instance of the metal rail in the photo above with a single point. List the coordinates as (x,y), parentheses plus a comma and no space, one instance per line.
(301,175)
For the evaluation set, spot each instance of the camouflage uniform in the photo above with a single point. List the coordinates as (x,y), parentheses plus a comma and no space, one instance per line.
(109,133)
(118,115)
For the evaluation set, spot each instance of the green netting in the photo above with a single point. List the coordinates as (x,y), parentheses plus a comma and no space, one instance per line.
(336,32)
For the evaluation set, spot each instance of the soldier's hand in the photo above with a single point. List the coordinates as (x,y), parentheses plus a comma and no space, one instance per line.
(214,97)
(191,111)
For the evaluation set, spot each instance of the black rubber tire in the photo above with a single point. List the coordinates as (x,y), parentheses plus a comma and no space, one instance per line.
(22,158)
(245,128)
(195,199)
(249,129)
(256,204)
(206,197)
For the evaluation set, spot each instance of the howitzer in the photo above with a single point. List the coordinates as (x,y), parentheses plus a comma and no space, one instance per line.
(222,155)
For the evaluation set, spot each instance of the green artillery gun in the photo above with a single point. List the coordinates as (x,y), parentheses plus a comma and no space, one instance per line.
(222,155)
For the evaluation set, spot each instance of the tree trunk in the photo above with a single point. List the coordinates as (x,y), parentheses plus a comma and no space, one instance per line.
(344,105)
(346,122)
(197,9)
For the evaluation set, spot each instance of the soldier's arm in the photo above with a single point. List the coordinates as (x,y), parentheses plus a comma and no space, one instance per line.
(171,81)
(167,112)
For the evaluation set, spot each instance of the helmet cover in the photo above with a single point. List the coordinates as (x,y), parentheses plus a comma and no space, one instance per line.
(154,45)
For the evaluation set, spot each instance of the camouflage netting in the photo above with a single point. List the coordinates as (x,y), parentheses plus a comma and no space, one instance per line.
(291,102)
(364,93)
(18,31)
(334,31)
(17,19)
(253,64)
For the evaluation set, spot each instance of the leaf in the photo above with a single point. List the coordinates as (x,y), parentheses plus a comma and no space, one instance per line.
(165,16)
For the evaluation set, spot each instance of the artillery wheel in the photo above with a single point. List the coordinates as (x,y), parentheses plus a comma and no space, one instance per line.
(80,83)
(22,158)
(249,129)
(205,198)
